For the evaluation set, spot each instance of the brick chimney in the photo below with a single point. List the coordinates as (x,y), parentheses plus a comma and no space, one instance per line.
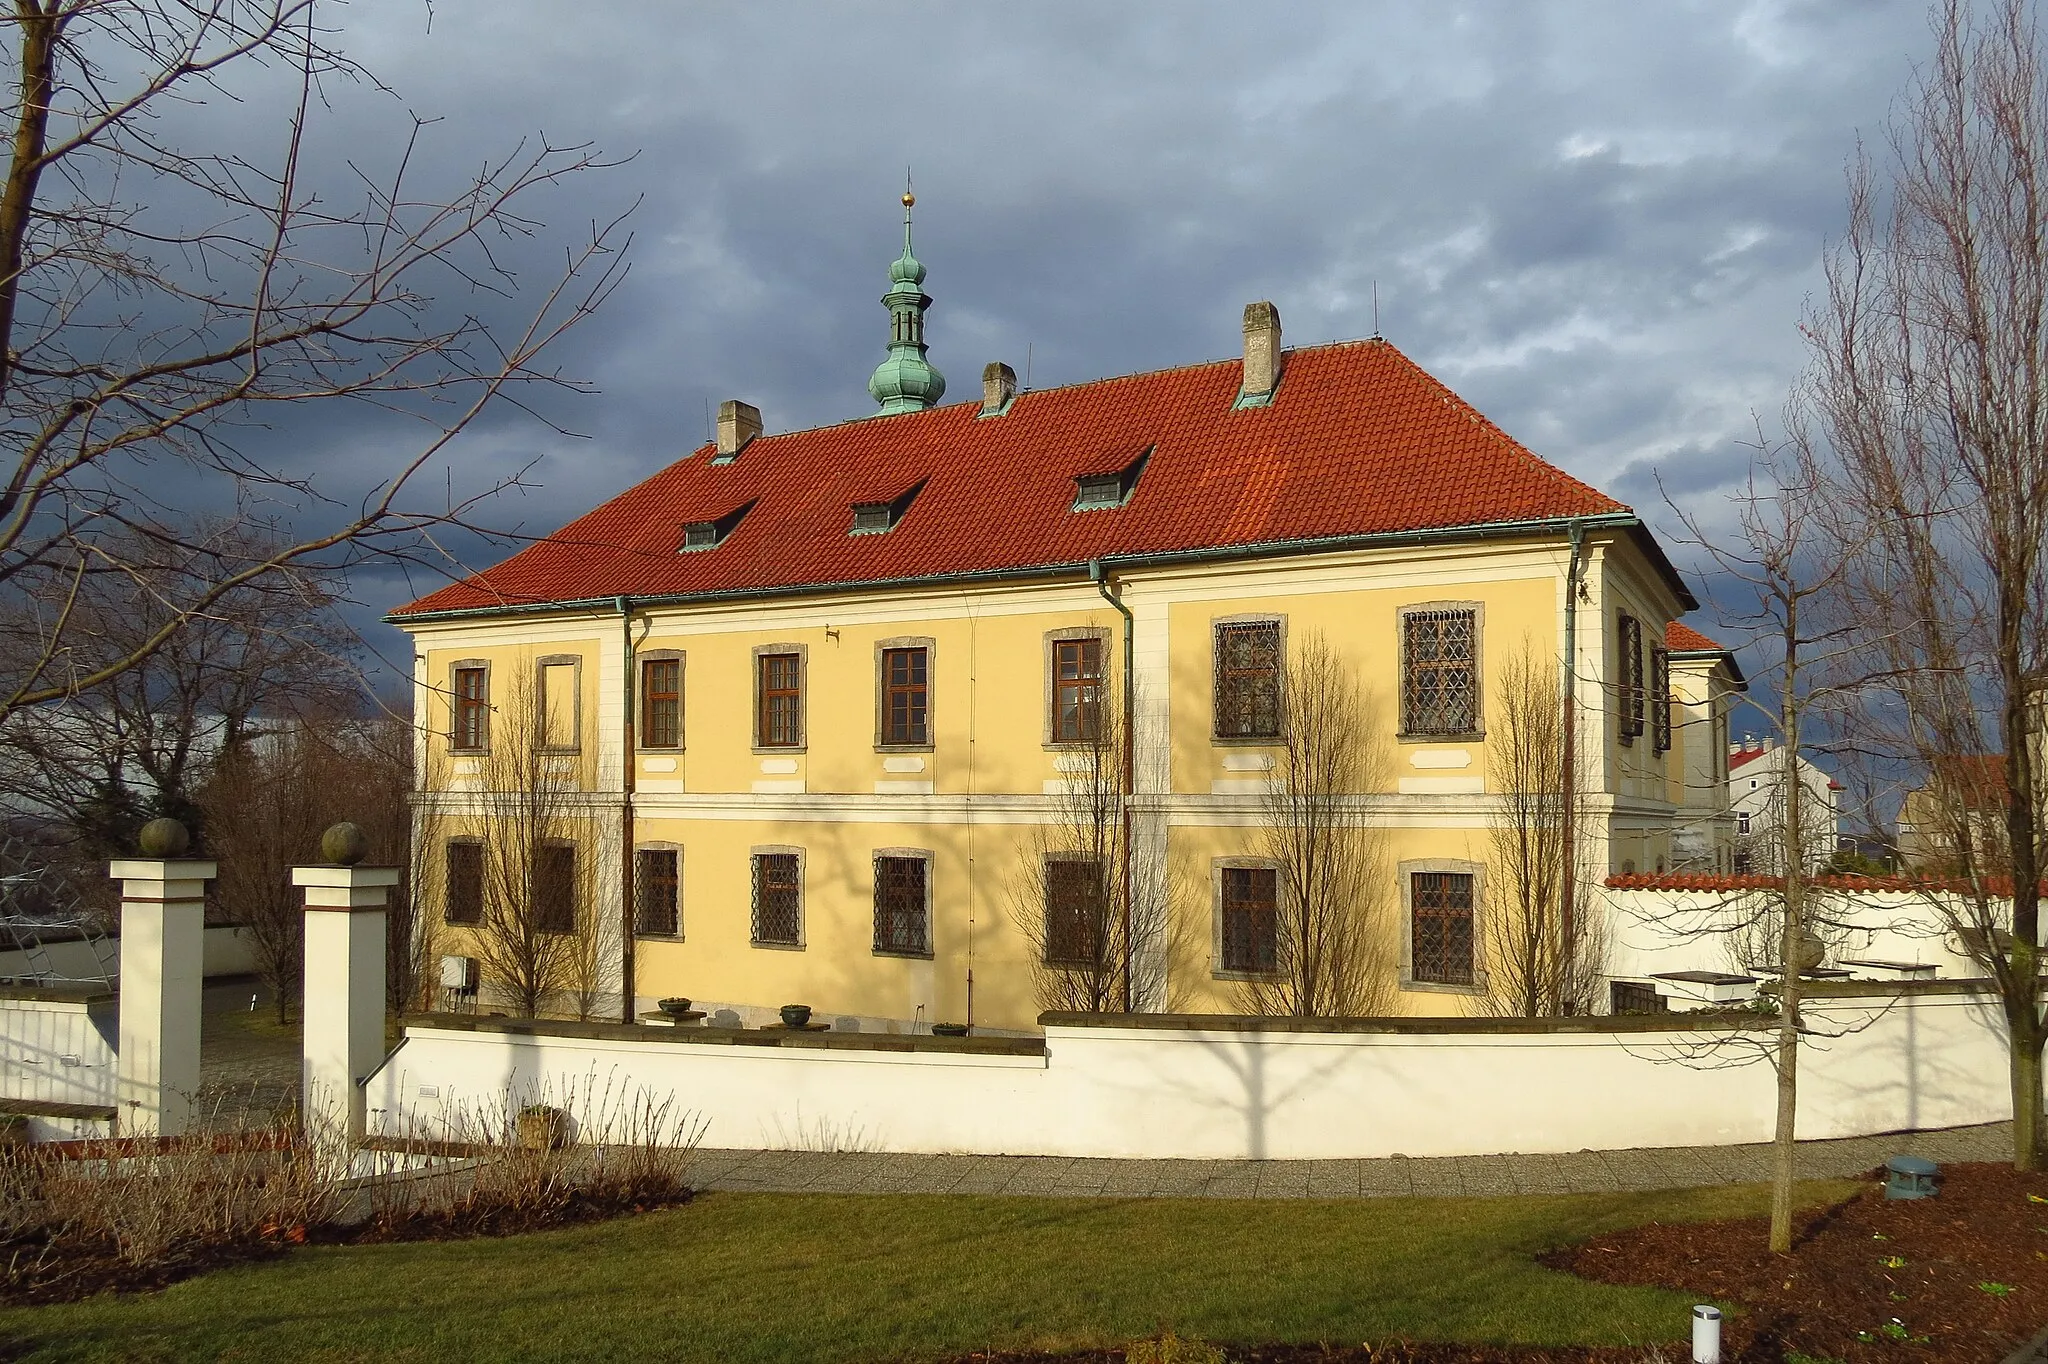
(1261,354)
(738,423)
(998,387)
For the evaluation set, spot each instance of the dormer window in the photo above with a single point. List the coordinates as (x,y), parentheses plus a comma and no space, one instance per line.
(1097,492)
(711,534)
(876,518)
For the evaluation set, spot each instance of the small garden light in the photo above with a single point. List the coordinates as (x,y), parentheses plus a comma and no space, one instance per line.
(1909,1177)
(1706,1335)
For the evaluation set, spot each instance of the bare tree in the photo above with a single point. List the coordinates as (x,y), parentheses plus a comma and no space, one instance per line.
(1789,556)
(1540,843)
(1098,936)
(1333,954)
(536,933)
(148,337)
(266,802)
(1931,388)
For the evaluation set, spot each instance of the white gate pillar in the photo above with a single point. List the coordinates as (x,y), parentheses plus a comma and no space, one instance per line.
(163,969)
(343,1011)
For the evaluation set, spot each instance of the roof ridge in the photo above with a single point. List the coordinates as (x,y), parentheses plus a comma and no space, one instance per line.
(866,418)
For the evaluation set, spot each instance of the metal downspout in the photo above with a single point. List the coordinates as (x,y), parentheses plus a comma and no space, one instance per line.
(1098,576)
(1569,775)
(627,765)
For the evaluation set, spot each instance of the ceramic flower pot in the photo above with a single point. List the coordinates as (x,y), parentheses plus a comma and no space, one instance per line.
(795,1015)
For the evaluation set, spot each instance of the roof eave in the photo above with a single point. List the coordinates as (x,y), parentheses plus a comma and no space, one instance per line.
(608,602)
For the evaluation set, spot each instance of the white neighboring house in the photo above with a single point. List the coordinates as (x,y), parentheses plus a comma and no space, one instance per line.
(1756,772)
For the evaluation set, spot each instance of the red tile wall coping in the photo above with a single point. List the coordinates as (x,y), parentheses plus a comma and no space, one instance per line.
(1719,883)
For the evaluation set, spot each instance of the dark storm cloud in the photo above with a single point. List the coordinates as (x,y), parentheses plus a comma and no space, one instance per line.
(1596,221)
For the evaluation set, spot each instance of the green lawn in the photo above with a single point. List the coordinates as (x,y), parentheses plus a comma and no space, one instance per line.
(782,1278)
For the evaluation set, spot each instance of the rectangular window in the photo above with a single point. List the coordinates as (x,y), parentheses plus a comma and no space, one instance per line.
(657,893)
(1442,927)
(554,888)
(465,884)
(1248,680)
(780,724)
(778,899)
(1440,682)
(906,696)
(661,703)
(1660,698)
(472,709)
(558,705)
(900,887)
(1629,679)
(1251,920)
(1075,905)
(1076,690)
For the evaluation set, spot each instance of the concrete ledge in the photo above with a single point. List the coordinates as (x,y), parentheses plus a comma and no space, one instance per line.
(1880,989)
(730,1037)
(1697,1021)
(58,994)
(40,1108)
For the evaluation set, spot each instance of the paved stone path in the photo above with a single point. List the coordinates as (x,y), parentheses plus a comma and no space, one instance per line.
(1395,1177)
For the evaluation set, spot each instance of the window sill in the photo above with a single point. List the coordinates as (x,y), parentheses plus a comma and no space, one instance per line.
(1435,987)
(776,946)
(779,750)
(469,753)
(905,954)
(1252,977)
(461,923)
(638,936)
(1248,740)
(659,750)
(906,748)
(1475,736)
(559,751)
(1077,746)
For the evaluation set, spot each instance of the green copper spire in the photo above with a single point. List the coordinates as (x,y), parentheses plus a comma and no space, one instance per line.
(906,381)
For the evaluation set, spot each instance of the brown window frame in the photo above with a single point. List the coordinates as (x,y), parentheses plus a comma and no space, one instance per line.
(661,708)
(1433,954)
(460,888)
(657,893)
(764,864)
(903,911)
(1087,727)
(1238,686)
(1076,914)
(1660,698)
(470,731)
(554,905)
(1629,682)
(1248,925)
(915,697)
(1440,719)
(766,696)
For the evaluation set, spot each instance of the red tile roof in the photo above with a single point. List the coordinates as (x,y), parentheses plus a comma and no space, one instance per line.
(1357,441)
(1685,639)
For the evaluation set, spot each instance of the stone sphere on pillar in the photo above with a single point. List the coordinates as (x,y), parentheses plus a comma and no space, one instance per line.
(344,845)
(163,838)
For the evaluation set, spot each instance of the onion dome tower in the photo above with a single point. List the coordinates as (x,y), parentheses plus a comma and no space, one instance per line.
(906,381)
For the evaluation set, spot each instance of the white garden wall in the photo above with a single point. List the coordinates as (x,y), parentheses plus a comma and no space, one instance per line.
(57,1046)
(72,961)
(1659,930)
(1218,1088)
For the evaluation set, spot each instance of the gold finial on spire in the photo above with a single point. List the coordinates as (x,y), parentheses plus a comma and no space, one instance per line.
(908,198)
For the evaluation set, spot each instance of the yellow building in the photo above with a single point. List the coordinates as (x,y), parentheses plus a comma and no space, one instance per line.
(854,697)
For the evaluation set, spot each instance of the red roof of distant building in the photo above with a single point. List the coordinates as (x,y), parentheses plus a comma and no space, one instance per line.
(1683,638)
(1746,755)
(1357,441)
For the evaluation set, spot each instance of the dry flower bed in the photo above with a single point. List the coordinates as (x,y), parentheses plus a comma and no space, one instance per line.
(1962,1278)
